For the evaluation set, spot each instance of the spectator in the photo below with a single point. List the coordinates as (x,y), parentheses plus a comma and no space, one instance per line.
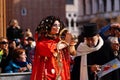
(14,31)
(115,46)
(31,42)
(18,43)
(116,51)
(24,43)
(30,49)
(5,58)
(92,53)
(110,30)
(14,45)
(28,33)
(18,63)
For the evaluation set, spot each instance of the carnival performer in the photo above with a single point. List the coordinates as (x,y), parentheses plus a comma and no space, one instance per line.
(52,54)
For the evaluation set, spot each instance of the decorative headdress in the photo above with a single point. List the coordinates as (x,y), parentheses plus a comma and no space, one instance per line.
(46,24)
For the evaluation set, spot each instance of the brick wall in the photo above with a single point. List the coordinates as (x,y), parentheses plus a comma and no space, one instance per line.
(36,10)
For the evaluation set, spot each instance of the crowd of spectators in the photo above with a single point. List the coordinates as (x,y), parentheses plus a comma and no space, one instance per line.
(17,49)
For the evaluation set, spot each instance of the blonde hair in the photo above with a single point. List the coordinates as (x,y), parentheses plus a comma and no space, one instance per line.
(13,21)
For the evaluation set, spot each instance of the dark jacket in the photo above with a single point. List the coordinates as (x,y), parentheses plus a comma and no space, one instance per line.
(14,66)
(100,57)
(14,33)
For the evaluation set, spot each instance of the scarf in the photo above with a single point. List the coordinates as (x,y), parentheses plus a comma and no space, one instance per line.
(21,64)
(82,51)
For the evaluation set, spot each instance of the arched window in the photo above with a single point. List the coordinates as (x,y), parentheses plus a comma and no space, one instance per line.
(77,23)
(104,2)
(70,2)
(112,5)
(67,24)
(72,23)
(84,7)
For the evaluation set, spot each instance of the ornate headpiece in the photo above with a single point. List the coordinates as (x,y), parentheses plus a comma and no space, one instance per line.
(46,24)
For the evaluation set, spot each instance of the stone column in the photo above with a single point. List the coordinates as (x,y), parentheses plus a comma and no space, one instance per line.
(88,7)
(109,7)
(69,24)
(116,5)
(81,7)
(94,7)
(101,6)
(75,24)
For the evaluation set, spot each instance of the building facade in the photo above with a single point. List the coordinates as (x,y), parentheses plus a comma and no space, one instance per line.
(102,8)
(30,12)
(74,12)
(72,15)
(87,10)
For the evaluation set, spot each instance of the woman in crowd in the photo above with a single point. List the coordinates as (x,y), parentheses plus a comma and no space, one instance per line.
(14,31)
(5,56)
(28,33)
(52,58)
(18,62)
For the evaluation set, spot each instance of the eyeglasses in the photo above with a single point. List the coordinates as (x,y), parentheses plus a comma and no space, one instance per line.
(3,42)
(56,25)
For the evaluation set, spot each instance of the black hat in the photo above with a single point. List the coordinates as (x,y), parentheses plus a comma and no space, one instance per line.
(30,38)
(90,30)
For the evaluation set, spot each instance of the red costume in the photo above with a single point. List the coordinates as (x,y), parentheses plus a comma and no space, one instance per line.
(49,63)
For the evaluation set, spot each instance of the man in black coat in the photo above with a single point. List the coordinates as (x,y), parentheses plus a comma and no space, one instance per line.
(91,54)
